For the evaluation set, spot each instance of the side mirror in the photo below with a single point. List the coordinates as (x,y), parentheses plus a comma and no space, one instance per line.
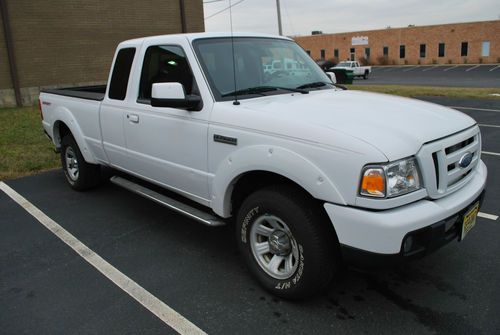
(332,76)
(173,95)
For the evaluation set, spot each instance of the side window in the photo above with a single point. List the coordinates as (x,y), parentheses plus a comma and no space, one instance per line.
(121,73)
(165,64)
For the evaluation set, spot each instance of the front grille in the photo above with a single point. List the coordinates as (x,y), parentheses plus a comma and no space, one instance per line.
(439,161)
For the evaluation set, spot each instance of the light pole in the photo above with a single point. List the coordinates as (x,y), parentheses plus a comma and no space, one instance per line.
(280,28)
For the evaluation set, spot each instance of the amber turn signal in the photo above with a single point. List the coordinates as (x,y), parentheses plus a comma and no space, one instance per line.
(373,183)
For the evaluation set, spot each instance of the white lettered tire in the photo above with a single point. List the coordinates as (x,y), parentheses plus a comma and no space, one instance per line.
(286,242)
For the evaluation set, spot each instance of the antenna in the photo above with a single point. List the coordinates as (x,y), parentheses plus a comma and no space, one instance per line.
(235,102)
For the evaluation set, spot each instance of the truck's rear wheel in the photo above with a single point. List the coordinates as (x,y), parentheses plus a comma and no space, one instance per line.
(365,75)
(79,174)
(286,243)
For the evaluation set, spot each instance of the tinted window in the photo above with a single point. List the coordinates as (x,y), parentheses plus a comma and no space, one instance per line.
(441,50)
(322,53)
(367,53)
(422,50)
(121,73)
(165,64)
(465,49)
(336,53)
(402,51)
(386,51)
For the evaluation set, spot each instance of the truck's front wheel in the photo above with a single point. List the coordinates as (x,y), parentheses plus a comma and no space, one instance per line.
(286,243)
(79,174)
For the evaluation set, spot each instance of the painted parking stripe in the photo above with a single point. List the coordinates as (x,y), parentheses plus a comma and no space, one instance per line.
(448,69)
(476,109)
(165,313)
(490,153)
(472,68)
(429,68)
(496,67)
(488,125)
(411,68)
(487,216)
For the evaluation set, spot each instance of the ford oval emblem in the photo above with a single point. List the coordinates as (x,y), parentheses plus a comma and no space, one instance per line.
(465,160)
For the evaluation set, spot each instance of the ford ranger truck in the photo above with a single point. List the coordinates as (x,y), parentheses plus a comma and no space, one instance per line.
(313,176)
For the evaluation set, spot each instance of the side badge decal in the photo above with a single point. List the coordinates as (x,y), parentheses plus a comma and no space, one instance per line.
(225,139)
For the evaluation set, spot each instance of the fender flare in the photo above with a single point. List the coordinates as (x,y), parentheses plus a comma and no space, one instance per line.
(271,159)
(64,115)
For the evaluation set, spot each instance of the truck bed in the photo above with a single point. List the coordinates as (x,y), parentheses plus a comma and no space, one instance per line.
(83,92)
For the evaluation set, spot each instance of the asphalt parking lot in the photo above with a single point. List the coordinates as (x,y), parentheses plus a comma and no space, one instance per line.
(47,288)
(435,75)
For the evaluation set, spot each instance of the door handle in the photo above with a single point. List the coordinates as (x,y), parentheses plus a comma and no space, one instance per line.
(133,118)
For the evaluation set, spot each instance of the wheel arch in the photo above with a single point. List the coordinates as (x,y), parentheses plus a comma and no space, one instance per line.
(64,125)
(239,173)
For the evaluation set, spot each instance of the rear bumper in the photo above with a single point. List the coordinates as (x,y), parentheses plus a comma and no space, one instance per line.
(380,234)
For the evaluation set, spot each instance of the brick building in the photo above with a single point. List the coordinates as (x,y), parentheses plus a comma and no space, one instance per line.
(457,43)
(72,42)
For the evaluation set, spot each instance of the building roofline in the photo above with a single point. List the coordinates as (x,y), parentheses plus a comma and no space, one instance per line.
(396,28)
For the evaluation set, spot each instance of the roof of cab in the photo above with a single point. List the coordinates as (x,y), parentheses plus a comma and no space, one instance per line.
(194,36)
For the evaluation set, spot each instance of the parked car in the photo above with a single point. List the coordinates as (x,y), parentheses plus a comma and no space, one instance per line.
(358,70)
(311,175)
(326,64)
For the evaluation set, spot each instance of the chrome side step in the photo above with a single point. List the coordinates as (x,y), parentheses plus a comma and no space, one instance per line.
(184,209)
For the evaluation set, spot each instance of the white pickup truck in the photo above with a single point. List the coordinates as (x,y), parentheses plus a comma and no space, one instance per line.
(357,70)
(310,174)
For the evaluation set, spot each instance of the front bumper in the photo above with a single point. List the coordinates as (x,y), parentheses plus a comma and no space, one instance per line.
(426,240)
(380,234)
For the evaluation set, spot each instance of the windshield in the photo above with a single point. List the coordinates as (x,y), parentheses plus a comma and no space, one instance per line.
(260,63)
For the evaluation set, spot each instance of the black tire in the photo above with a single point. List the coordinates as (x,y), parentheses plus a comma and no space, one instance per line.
(365,75)
(316,242)
(87,175)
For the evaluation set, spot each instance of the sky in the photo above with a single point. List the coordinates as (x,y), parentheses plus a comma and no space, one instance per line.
(300,17)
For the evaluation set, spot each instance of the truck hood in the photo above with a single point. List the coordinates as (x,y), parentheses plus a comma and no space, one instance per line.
(397,126)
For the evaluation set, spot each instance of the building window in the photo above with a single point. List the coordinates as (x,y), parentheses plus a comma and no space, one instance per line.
(402,51)
(422,50)
(386,51)
(465,49)
(336,53)
(322,53)
(353,53)
(441,50)
(367,53)
(485,50)
(308,52)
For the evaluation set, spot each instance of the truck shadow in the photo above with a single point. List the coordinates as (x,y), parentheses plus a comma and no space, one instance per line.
(183,262)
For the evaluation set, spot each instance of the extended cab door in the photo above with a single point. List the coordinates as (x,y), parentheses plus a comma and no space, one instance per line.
(168,146)
(112,107)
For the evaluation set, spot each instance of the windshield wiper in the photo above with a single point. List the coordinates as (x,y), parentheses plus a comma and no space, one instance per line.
(320,84)
(261,89)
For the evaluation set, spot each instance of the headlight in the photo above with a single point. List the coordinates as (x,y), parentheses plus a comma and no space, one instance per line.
(391,179)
